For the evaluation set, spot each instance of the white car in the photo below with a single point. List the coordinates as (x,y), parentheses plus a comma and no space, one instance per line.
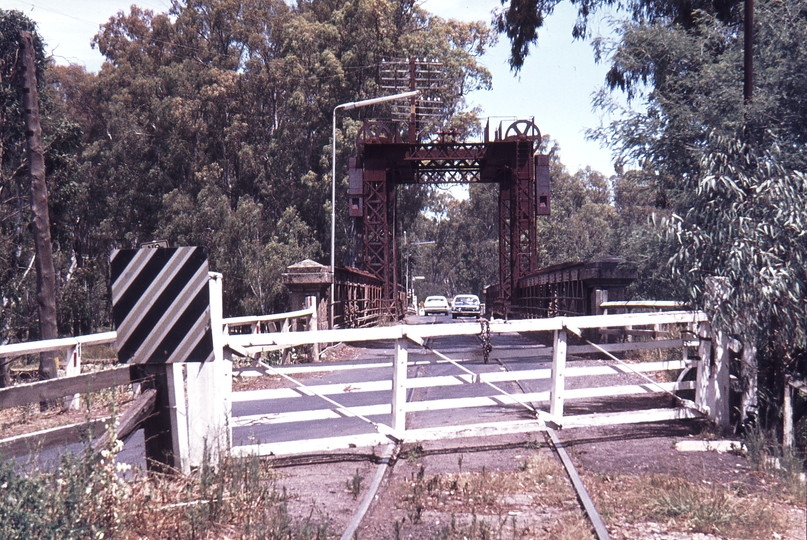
(436,304)
(466,305)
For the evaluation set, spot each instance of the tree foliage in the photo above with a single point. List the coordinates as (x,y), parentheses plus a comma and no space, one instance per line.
(211,125)
(520,20)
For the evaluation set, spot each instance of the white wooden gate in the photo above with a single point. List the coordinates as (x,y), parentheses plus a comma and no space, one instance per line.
(699,351)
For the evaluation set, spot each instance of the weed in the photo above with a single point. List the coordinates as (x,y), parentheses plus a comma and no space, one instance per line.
(685,505)
(784,465)
(414,454)
(354,485)
(483,497)
(87,498)
(708,511)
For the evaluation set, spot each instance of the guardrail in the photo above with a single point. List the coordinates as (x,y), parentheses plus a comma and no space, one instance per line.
(710,386)
(74,383)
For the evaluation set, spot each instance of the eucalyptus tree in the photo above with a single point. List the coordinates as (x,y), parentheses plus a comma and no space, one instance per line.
(729,173)
(227,104)
(521,20)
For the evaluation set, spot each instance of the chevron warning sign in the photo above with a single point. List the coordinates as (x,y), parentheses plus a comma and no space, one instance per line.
(161,305)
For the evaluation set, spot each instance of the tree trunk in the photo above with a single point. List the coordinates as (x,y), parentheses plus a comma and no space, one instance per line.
(5,372)
(45,274)
(748,383)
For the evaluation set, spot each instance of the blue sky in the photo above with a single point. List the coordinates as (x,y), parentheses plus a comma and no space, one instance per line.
(554,87)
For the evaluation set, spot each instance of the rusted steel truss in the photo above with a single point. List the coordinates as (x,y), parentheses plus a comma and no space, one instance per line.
(572,289)
(383,163)
(360,300)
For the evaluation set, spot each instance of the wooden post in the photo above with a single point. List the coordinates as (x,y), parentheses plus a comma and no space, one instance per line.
(72,367)
(787,411)
(704,367)
(177,409)
(285,354)
(718,392)
(600,296)
(160,431)
(558,369)
(311,303)
(399,387)
(209,391)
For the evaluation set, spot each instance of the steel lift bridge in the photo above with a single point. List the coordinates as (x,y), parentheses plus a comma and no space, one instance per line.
(383,161)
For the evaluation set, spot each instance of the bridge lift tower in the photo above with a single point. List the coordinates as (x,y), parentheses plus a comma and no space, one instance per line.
(384,161)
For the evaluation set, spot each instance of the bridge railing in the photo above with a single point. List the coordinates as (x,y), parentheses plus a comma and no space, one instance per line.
(293,321)
(358,299)
(710,386)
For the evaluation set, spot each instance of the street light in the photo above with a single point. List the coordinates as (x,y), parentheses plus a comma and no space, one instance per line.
(349,106)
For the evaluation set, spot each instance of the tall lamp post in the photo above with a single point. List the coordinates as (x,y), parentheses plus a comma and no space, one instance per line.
(346,107)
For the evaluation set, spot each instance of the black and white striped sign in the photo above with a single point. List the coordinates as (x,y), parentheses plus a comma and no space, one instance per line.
(161,305)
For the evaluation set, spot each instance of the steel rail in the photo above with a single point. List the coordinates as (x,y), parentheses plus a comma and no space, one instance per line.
(580,489)
(577,483)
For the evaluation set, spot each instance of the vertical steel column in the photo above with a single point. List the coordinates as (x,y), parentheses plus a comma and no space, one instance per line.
(505,235)
(524,209)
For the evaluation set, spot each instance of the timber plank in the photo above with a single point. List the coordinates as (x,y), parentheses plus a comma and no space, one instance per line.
(130,421)
(38,441)
(24,394)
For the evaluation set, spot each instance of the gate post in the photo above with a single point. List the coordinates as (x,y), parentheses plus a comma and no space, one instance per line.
(705,355)
(712,383)
(558,369)
(787,420)
(313,324)
(209,391)
(72,367)
(718,394)
(399,388)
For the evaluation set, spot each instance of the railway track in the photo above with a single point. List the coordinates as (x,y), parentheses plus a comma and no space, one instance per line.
(391,456)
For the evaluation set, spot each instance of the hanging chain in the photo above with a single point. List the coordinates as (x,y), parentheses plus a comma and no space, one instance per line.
(485,336)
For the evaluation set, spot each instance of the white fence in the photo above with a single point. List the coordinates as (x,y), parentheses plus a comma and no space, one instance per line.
(206,391)
(710,385)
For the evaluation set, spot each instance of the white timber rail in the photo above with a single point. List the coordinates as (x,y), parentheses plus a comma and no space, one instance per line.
(710,386)
(69,348)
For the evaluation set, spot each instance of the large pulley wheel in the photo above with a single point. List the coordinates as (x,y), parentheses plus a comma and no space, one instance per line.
(523,130)
(374,132)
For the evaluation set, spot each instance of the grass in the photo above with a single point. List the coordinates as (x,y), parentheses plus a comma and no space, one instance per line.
(354,485)
(785,467)
(686,506)
(86,497)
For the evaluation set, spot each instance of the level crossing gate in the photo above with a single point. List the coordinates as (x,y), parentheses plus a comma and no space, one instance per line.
(385,421)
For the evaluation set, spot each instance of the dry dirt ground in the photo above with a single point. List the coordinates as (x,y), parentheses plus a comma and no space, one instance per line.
(515,487)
